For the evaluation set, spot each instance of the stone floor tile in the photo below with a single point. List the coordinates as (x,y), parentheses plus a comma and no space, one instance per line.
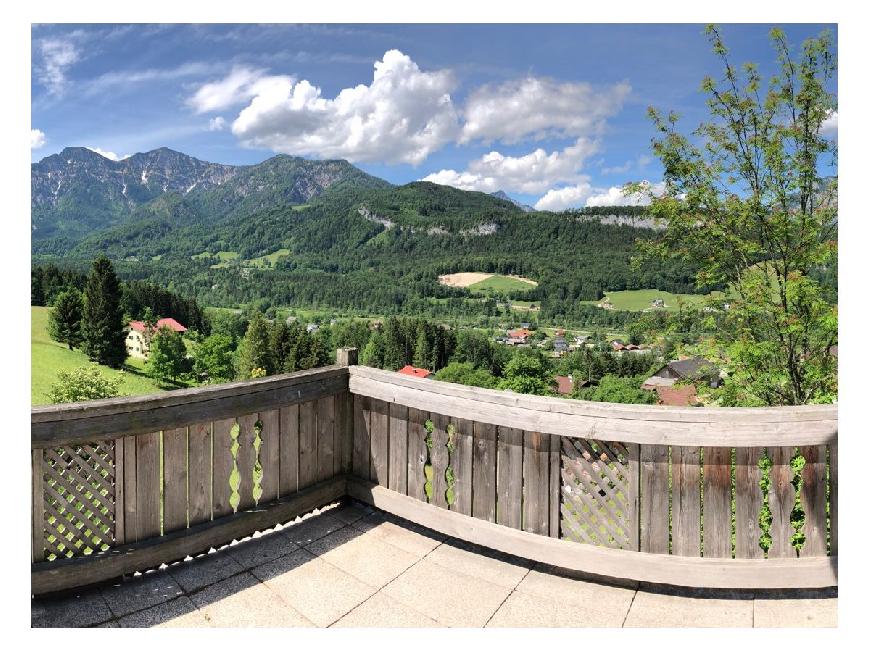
(795,612)
(243,601)
(408,536)
(351,512)
(205,569)
(452,598)
(180,612)
(529,610)
(81,610)
(367,558)
(312,528)
(670,610)
(260,549)
(610,602)
(490,565)
(140,592)
(383,611)
(319,591)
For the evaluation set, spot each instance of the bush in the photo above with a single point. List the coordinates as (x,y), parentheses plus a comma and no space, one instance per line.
(84,384)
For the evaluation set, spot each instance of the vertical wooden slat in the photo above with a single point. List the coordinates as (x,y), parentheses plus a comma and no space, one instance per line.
(269,456)
(781,501)
(325,437)
(509,481)
(461,462)
(483,481)
(747,504)
(148,485)
(199,468)
(813,502)
(379,430)
(633,496)
(130,507)
(686,501)
(833,488)
(717,501)
(120,502)
(37,495)
(222,466)
(307,445)
(245,459)
(555,491)
(289,450)
(344,433)
(174,479)
(654,499)
(398,463)
(536,482)
(361,437)
(439,459)
(417,453)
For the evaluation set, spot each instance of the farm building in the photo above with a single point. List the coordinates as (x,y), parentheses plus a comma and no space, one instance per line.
(136,340)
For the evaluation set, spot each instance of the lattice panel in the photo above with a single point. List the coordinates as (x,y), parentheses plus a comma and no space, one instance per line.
(596,505)
(79,488)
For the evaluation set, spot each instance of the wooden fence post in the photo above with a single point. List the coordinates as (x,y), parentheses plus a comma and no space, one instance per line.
(344,413)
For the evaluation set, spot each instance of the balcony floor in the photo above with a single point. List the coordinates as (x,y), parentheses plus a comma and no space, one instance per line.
(352,566)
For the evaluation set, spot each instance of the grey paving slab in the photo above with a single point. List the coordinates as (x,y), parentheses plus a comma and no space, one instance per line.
(819,612)
(244,601)
(669,610)
(351,512)
(450,597)
(401,534)
(312,528)
(530,610)
(319,591)
(383,611)
(365,557)
(498,568)
(81,610)
(259,549)
(205,569)
(610,603)
(140,592)
(180,612)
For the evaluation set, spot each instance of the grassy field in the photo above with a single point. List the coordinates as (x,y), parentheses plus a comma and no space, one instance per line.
(499,283)
(268,260)
(47,357)
(637,300)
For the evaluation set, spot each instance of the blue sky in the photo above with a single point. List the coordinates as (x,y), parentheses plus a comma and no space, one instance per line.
(553,114)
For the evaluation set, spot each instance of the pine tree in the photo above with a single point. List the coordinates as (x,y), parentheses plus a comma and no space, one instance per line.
(394,345)
(373,354)
(254,350)
(422,350)
(102,319)
(65,320)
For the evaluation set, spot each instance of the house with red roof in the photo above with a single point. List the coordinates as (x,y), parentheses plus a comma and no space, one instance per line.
(138,338)
(408,370)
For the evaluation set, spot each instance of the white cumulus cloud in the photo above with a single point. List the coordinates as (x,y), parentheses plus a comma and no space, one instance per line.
(583,194)
(539,108)
(217,124)
(401,117)
(57,56)
(37,139)
(559,199)
(615,196)
(830,124)
(530,174)
(238,87)
(109,155)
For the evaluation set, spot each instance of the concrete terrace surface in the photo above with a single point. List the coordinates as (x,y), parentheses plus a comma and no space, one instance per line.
(348,565)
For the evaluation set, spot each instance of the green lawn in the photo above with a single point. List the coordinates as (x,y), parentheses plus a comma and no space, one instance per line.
(499,283)
(636,300)
(269,260)
(48,357)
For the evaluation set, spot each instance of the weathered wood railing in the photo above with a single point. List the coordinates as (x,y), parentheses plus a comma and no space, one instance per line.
(665,495)
(649,493)
(127,484)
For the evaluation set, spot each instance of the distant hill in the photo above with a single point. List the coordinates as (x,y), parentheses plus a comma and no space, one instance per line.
(501,194)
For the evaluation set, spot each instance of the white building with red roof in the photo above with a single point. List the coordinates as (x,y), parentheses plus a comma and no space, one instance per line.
(137,338)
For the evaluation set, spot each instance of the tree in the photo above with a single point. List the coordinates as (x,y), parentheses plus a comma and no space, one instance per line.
(373,354)
(213,358)
(527,373)
(167,355)
(745,202)
(102,318)
(65,319)
(84,384)
(617,389)
(254,352)
(422,349)
(465,373)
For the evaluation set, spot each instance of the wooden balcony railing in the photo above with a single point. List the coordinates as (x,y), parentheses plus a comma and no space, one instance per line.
(647,493)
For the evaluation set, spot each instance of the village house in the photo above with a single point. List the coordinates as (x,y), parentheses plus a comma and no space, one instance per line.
(137,339)
(560,347)
(312,328)
(676,382)
(417,372)
(518,336)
